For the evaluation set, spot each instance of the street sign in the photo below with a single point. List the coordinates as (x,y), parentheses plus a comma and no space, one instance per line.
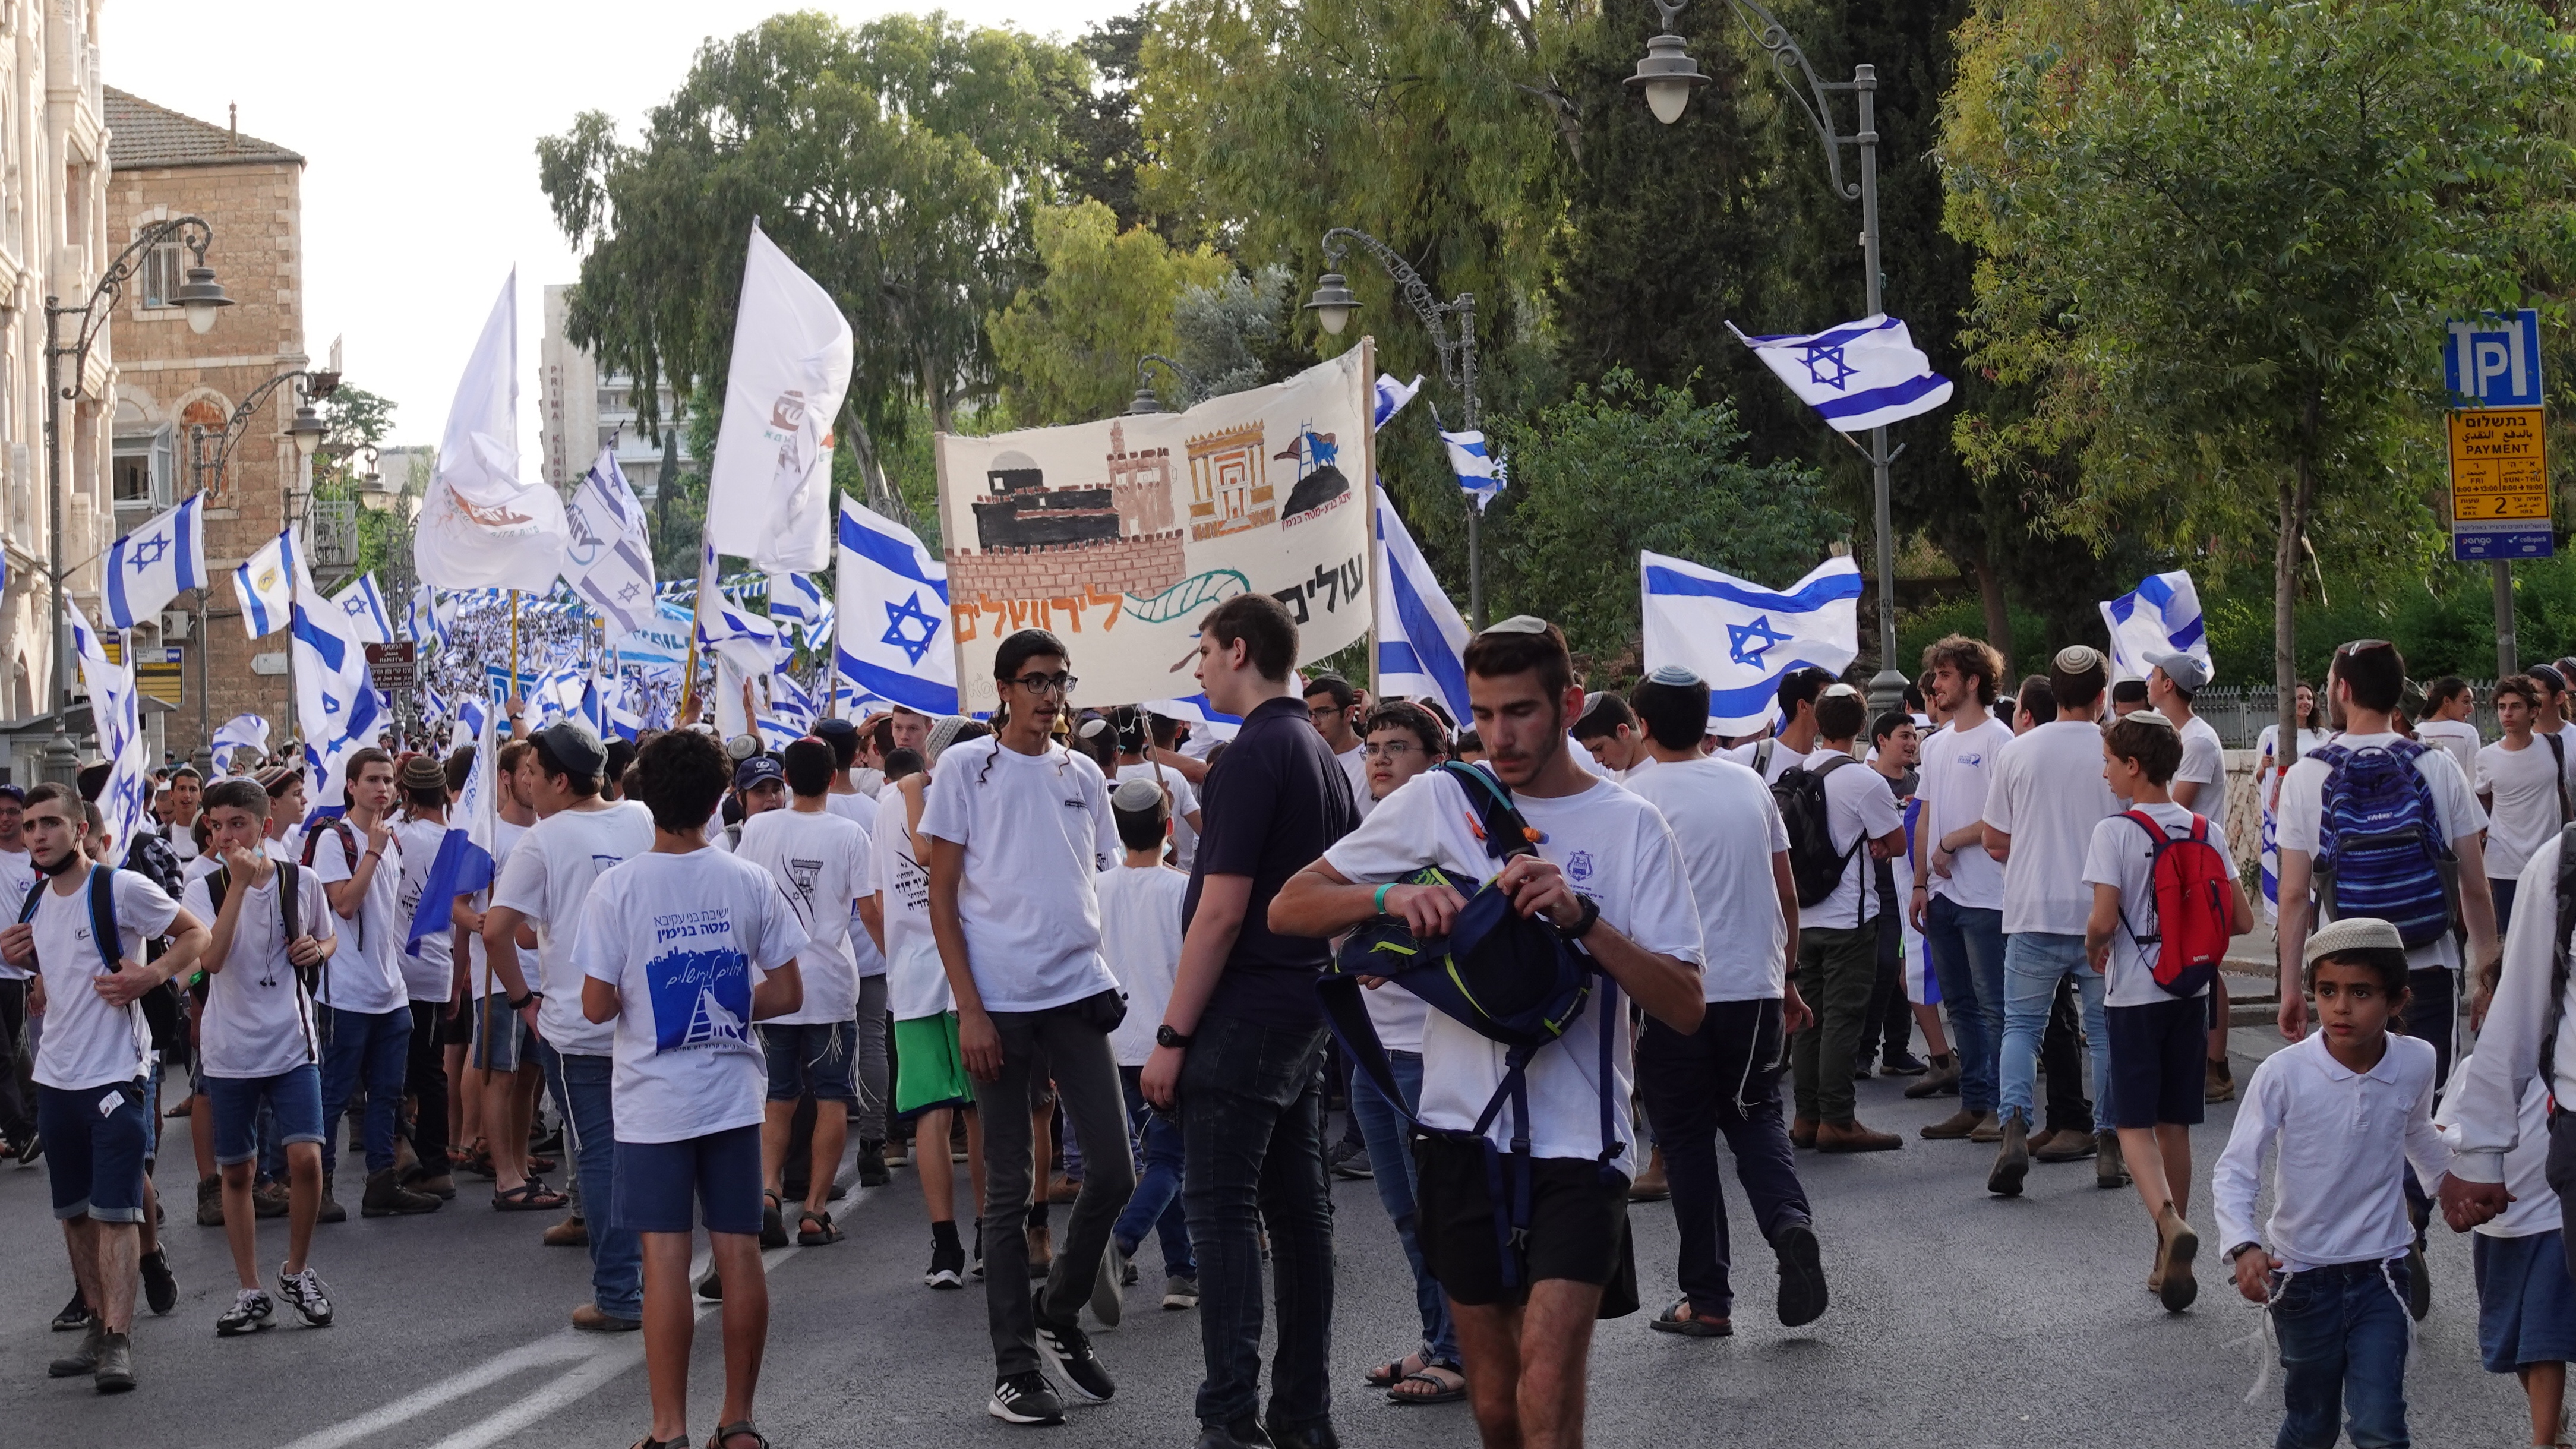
(156,672)
(2499,485)
(395,666)
(2493,361)
(268,663)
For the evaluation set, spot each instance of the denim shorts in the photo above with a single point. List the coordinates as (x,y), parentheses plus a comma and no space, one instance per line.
(656,1180)
(811,1057)
(502,1041)
(96,1139)
(294,1095)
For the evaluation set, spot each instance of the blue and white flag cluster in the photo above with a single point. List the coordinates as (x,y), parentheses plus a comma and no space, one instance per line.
(336,704)
(464,860)
(609,559)
(1421,641)
(154,564)
(116,713)
(1859,376)
(366,610)
(265,587)
(241,732)
(891,616)
(2160,616)
(1741,637)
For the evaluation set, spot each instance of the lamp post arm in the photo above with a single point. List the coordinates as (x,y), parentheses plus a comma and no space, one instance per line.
(1194,389)
(235,429)
(1787,56)
(1457,357)
(194,232)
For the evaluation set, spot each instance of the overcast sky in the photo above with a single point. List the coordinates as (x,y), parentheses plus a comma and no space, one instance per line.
(418,125)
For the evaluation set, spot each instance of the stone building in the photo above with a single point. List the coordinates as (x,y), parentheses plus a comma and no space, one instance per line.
(585,410)
(170,379)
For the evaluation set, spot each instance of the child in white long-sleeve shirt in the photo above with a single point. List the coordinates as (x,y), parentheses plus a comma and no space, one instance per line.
(2349,1107)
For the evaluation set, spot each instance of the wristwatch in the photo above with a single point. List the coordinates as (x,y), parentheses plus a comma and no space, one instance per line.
(1591,916)
(521,1003)
(1165,1036)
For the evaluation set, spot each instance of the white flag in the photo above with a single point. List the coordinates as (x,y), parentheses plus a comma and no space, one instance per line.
(336,704)
(241,732)
(481,526)
(891,620)
(1741,637)
(2160,616)
(610,560)
(769,488)
(266,589)
(1861,375)
(150,566)
(115,712)
(366,610)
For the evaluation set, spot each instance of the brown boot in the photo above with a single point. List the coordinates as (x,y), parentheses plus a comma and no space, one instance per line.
(2109,1169)
(1941,1081)
(1989,1130)
(1954,1127)
(2176,1246)
(1802,1132)
(210,1202)
(2012,1163)
(2220,1083)
(2063,1147)
(1853,1137)
(1650,1185)
(572,1232)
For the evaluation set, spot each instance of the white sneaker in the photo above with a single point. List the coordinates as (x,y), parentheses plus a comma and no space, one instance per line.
(251,1311)
(306,1292)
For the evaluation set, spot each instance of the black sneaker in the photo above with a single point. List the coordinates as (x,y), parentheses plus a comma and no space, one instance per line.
(305,1291)
(1903,1064)
(947,1266)
(252,1311)
(31,1149)
(1068,1349)
(1025,1398)
(1350,1162)
(160,1285)
(74,1317)
(872,1165)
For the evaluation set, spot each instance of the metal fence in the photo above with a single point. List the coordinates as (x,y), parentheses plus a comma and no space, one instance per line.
(2239,712)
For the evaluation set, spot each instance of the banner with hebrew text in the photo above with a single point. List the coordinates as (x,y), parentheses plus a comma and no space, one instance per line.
(1121,535)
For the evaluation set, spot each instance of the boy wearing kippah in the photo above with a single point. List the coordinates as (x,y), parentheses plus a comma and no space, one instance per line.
(2349,1106)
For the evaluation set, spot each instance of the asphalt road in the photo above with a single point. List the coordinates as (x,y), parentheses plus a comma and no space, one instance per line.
(1958,1320)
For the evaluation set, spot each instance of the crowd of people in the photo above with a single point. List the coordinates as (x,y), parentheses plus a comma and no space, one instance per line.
(1545,958)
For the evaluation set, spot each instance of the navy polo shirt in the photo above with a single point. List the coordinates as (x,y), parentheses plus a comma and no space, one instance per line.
(1274,800)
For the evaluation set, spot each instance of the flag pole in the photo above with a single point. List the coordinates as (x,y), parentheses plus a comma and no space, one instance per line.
(513,692)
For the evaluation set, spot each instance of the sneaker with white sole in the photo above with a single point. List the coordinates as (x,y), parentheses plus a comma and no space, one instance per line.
(1025,1398)
(1180,1293)
(305,1291)
(252,1311)
(947,1266)
(1068,1351)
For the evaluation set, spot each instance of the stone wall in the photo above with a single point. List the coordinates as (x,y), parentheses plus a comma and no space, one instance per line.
(1140,566)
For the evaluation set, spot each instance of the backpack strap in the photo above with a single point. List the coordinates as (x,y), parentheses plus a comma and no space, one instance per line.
(35,894)
(1843,862)
(1506,832)
(1762,754)
(2558,754)
(102,916)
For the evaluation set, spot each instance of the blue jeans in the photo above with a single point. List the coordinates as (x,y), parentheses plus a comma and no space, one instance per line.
(1390,1152)
(1967,946)
(2343,1351)
(2502,890)
(2034,962)
(1156,1204)
(580,1087)
(374,1047)
(1252,1127)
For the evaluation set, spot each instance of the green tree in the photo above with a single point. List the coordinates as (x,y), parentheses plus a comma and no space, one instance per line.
(1067,345)
(1627,467)
(2221,239)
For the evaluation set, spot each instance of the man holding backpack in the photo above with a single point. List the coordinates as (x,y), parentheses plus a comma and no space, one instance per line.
(1835,808)
(1526,1276)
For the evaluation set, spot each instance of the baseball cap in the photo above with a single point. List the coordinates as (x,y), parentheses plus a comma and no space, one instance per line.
(757,770)
(2185,670)
(14,792)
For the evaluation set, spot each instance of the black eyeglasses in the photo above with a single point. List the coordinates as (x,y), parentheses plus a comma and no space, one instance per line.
(1391,749)
(1047,683)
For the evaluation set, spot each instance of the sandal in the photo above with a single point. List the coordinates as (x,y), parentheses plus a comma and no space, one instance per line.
(528,1197)
(540,1163)
(477,1159)
(1387,1375)
(816,1237)
(741,1430)
(773,1224)
(649,1442)
(1443,1390)
(1687,1321)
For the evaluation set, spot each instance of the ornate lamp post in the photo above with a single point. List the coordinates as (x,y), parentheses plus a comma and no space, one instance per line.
(206,468)
(1145,404)
(1334,302)
(201,297)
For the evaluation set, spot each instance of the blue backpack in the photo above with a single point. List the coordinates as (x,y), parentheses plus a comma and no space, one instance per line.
(1510,978)
(2381,852)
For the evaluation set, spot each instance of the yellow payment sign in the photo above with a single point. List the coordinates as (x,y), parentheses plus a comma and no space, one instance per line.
(2498,468)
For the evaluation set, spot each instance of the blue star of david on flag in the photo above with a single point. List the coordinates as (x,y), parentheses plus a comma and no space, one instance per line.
(147,552)
(899,618)
(1825,366)
(1747,643)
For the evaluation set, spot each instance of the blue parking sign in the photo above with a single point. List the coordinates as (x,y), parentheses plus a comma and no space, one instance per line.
(2493,361)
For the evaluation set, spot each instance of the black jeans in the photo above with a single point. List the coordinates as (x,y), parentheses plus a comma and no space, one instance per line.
(1722,1078)
(1888,1030)
(2061,1051)
(2433,1014)
(17,1104)
(1252,1144)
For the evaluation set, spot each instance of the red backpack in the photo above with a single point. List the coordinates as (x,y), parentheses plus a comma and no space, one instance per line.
(2188,879)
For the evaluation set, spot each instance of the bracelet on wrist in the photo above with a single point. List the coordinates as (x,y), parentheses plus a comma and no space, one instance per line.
(1381,896)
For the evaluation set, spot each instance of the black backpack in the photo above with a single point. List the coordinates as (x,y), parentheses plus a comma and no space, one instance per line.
(163,1016)
(1815,867)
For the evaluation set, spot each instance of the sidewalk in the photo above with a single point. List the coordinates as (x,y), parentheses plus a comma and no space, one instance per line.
(2252,972)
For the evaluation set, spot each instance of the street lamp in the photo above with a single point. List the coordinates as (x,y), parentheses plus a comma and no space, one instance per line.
(1145,404)
(201,297)
(1668,75)
(1333,303)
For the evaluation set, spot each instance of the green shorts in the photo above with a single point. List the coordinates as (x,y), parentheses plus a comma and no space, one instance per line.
(930,1068)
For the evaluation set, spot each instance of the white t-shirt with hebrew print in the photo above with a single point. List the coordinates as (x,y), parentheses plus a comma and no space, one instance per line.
(861,810)
(685,939)
(1615,849)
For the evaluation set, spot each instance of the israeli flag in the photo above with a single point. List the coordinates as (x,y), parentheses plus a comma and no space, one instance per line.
(1392,396)
(1741,637)
(337,707)
(740,635)
(366,610)
(795,599)
(2160,616)
(241,732)
(152,565)
(1479,472)
(890,631)
(1421,641)
(1196,710)
(265,587)
(610,561)
(116,713)
(463,864)
(470,718)
(791,704)
(1861,375)
(623,721)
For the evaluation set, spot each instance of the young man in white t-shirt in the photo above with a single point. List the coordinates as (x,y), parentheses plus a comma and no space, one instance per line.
(2046,795)
(261,1044)
(1838,935)
(431,973)
(1335,708)
(1725,1077)
(2151,1035)
(366,1005)
(91,1063)
(681,949)
(506,1075)
(1796,738)
(857,776)
(1609,731)
(820,861)
(1958,897)
(1140,936)
(1608,875)
(546,884)
(2525,795)
(1018,826)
